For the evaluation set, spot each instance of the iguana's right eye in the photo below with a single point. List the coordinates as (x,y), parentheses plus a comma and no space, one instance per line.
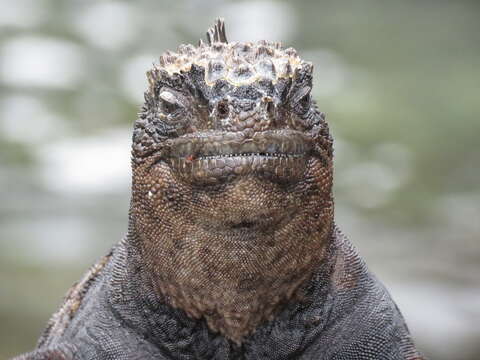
(169,103)
(302,101)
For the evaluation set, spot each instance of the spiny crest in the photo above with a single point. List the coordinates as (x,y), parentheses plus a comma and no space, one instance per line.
(239,63)
(217,32)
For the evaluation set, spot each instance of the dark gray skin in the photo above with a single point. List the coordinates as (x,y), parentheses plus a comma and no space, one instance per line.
(232,251)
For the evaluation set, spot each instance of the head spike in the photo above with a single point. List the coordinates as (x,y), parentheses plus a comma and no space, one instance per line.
(217,32)
(162,61)
(152,77)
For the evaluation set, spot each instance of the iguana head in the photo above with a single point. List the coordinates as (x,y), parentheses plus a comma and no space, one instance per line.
(232,177)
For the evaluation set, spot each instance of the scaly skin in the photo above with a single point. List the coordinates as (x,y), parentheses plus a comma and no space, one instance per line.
(232,251)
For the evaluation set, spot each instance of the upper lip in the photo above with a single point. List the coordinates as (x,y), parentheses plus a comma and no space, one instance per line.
(272,143)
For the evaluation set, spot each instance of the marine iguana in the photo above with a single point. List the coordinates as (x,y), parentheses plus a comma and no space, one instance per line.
(232,251)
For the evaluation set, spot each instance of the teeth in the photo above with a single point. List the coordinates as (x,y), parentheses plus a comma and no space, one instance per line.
(271,155)
(263,145)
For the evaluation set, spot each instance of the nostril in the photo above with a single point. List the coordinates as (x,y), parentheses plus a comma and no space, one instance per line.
(270,108)
(268,105)
(222,109)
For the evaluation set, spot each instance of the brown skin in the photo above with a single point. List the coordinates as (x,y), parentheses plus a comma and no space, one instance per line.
(232,252)
(232,224)
(254,242)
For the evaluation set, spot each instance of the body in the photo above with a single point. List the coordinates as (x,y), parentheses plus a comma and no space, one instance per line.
(232,250)
(345,314)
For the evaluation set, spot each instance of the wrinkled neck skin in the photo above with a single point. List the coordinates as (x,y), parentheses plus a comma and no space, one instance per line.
(136,301)
(233,254)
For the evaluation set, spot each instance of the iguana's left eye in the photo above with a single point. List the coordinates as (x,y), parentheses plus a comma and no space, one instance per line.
(304,103)
(169,103)
(301,100)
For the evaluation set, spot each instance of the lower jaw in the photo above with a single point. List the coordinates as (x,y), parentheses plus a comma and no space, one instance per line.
(215,170)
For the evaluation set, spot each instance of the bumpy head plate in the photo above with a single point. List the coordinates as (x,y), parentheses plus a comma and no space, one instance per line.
(231,180)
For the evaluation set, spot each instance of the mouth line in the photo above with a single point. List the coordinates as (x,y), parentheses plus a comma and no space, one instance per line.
(215,157)
(257,155)
(215,145)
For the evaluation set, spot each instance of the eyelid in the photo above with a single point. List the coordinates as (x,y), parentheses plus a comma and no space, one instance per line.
(168,97)
(301,94)
(171,103)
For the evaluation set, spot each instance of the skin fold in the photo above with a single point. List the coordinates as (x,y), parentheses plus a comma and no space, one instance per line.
(232,251)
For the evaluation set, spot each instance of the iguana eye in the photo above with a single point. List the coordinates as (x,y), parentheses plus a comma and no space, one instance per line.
(302,102)
(169,103)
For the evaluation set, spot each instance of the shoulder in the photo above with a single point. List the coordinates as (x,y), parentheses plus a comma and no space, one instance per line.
(363,311)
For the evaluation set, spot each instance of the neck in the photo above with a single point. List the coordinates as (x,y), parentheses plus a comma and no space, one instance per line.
(147,310)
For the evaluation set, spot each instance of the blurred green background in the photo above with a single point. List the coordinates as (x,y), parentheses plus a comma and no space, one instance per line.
(399,81)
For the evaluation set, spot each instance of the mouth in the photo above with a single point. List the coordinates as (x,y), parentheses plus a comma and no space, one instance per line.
(214,157)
